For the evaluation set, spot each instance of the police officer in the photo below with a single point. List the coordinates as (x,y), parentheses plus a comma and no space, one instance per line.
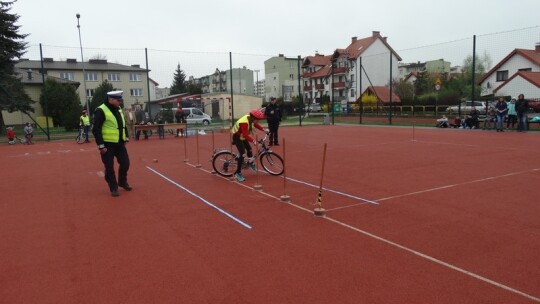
(273,117)
(111,136)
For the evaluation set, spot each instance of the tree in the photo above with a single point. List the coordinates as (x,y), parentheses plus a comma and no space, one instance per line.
(100,95)
(12,95)
(405,91)
(179,82)
(63,104)
(423,83)
(194,89)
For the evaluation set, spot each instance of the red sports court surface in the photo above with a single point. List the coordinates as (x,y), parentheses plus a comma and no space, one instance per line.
(418,215)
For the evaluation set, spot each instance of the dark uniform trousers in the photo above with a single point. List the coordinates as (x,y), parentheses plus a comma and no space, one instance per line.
(273,125)
(119,151)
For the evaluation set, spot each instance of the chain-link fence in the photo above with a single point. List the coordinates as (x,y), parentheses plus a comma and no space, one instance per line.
(421,82)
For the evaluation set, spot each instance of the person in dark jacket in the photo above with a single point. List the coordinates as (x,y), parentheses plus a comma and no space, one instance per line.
(522,107)
(111,136)
(273,117)
(180,117)
(472,120)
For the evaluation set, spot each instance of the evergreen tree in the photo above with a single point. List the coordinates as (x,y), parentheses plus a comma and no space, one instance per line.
(179,82)
(12,95)
(63,103)
(100,96)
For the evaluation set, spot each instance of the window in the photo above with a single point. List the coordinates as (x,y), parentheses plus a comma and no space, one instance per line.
(90,77)
(352,92)
(134,77)
(291,76)
(90,93)
(135,92)
(66,75)
(502,75)
(113,77)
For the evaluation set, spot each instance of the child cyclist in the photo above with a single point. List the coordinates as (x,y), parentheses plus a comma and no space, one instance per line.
(242,130)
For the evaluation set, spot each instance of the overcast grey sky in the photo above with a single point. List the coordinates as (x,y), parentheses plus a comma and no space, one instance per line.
(291,27)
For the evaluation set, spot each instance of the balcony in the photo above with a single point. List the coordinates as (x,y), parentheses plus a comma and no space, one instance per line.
(319,86)
(340,70)
(308,88)
(339,85)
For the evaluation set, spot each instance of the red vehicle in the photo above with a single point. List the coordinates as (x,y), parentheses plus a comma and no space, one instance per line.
(534,106)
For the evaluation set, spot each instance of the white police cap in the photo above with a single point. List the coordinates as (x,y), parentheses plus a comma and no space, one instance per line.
(115,94)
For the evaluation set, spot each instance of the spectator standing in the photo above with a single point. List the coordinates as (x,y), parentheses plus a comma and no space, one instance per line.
(512,115)
(140,119)
(522,106)
(84,121)
(28,133)
(161,127)
(130,121)
(111,136)
(502,109)
(180,117)
(273,117)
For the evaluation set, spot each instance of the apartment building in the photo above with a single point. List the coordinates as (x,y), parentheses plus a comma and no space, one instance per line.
(133,80)
(282,77)
(220,81)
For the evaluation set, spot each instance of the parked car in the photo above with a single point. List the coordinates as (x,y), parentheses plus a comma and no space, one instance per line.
(196,116)
(193,116)
(467,106)
(314,107)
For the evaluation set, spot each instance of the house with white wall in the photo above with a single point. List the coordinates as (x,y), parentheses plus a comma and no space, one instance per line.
(370,61)
(517,73)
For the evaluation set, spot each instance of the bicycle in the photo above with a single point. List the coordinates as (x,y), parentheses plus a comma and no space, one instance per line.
(81,137)
(225,164)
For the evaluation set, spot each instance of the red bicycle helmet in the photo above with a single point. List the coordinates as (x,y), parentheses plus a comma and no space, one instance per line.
(257,114)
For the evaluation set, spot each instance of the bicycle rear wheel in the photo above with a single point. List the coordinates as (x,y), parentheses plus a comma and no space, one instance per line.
(224,163)
(272,163)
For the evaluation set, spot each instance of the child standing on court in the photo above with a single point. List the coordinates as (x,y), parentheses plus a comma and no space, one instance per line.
(10,135)
(28,133)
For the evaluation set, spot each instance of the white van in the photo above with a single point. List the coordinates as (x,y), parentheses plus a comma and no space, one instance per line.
(196,116)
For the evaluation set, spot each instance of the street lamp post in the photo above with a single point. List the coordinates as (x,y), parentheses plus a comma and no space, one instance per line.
(82,61)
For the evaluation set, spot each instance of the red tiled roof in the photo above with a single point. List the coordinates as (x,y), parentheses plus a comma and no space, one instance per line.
(382,93)
(358,46)
(317,60)
(531,55)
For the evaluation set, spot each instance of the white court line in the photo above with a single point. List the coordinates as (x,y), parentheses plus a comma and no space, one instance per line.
(417,253)
(437,261)
(201,198)
(334,191)
(459,184)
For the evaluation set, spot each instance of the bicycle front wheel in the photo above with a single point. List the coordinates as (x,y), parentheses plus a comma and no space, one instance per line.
(81,138)
(272,163)
(224,163)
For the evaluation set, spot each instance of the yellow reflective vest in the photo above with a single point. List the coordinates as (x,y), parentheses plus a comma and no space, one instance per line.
(241,120)
(109,130)
(85,120)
